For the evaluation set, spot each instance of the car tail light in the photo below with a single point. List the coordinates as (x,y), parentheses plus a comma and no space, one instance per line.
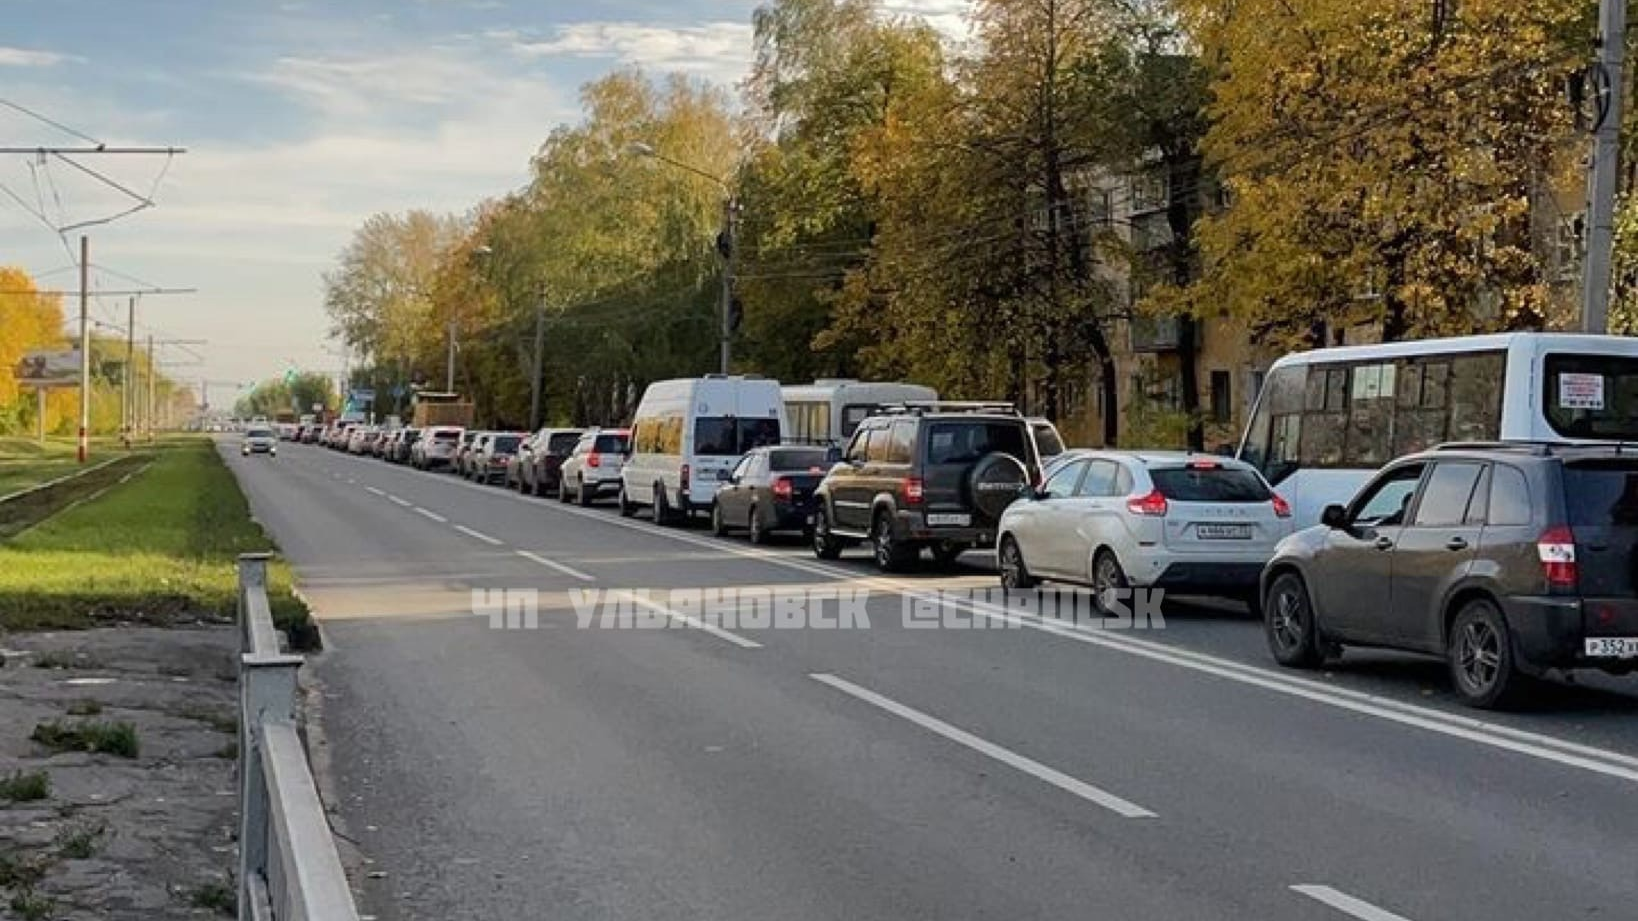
(682,478)
(782,489)
(1556,549)
(1152,505)
(1202,465)
(1282,508)
(913,491)
(594,459)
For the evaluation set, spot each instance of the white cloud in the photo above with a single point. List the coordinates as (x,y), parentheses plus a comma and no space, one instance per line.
(30,57)
(720,51)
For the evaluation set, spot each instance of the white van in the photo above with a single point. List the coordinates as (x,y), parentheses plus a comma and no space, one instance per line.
(686,432)
(827,411)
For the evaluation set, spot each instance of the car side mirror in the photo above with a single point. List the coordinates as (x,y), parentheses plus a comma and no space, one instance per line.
(725,476)
(1334,517)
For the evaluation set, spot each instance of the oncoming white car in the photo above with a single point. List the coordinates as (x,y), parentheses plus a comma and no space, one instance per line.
(1189,523)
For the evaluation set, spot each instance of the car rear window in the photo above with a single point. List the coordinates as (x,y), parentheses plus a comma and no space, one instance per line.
(446,436)
(797,460)
(967,442)
(1602,494)
(505,444)
(562,443)
(610,444)
(1210,484)
(729,436)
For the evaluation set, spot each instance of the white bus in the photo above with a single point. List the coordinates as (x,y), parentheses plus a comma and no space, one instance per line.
(688,434)
(829,409)
(1326,420)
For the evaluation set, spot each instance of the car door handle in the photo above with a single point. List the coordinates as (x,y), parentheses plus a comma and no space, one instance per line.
(1456,543)
(1383,543)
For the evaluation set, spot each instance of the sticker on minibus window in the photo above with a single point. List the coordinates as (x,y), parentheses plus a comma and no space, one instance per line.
(1580,391)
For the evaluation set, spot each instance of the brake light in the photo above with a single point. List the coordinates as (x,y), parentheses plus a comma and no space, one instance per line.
(913,491)
(1202,465)
(1556,550)
(1282,508)
(594,459)
(682,478)
(1152,505)
(782,489)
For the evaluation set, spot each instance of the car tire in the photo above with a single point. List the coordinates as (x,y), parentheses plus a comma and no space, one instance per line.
(825,546)
(1289,623)
(1480,655)
(1107,576)
(719,527)
(1015,575)
(581,496)
(891,555)
(662,507)
(627,510)
(759,533)
(563,492)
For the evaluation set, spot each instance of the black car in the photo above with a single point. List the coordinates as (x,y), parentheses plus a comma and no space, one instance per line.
(925,475)
(771,489)
(1506,559)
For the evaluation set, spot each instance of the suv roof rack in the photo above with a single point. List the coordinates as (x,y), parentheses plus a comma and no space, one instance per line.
(922,407)
(1538,448)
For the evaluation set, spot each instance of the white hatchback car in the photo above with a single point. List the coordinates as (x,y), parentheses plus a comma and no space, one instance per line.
(1193,524)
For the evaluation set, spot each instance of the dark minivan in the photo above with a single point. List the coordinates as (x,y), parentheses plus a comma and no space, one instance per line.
(1507,559)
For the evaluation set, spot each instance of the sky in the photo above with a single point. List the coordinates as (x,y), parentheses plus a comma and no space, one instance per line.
(300,119)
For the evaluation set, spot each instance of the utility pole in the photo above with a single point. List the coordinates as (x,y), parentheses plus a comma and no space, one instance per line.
(449,365)
(730,215)
(85,348)
(153,372)
(125,395)
(540,348)
(1606,165)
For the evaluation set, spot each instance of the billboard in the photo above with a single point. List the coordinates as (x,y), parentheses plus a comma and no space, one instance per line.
(49,369)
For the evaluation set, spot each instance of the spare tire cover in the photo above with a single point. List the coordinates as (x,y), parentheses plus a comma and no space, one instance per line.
(994,483)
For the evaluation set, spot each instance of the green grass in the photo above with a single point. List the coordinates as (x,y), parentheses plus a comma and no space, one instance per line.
(31,907)
(156,549)
(110,738)
(25,462)
(25,788)
(80,842)
(217,897)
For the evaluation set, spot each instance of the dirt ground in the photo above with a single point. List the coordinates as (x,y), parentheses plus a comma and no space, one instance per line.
(116,837)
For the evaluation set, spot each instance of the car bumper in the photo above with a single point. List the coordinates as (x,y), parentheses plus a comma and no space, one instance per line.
(1234,578)
(1552,632)
(259,449)
(912,526)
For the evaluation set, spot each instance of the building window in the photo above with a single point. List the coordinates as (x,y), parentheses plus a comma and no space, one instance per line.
(1222,400)
(1149,192)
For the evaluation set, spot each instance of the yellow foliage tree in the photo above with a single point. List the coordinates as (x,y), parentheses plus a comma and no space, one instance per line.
(28,320)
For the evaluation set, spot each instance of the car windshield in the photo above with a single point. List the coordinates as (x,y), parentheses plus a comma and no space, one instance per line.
(1210,484)
(259,433)
(800,459)
(727,436)
(965,442)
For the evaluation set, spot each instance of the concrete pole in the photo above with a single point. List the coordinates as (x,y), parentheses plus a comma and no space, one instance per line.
(126,396)
(1606,166)
(85,349)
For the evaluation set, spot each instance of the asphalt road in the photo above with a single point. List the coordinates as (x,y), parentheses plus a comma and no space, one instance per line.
(1014,768)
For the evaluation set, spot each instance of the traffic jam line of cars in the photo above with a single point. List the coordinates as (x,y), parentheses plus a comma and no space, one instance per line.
(1509,559)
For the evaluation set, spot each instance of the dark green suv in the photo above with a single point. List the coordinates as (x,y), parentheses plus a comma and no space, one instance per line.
(925,475)
(1507,559)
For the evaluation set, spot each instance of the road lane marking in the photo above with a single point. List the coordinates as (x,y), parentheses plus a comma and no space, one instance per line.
(372,490)
(403,503)
(1012,759)
(479,535)
(1347,904)
(553,564)
(691,621)
(430,514)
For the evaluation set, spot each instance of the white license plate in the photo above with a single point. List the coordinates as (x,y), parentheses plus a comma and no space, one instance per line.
(1223,531)
(1612,647)
(949,520)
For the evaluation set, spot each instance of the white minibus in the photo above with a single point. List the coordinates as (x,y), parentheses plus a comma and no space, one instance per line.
(827,411)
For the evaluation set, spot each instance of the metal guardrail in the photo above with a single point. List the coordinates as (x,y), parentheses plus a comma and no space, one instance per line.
(288,866)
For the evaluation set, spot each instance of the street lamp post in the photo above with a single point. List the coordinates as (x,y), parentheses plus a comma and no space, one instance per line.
(726,246)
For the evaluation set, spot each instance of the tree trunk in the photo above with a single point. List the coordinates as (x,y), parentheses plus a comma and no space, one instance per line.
(1182,183)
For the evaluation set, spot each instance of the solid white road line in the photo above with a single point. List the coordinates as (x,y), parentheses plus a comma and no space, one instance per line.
(1536,745)
(691,621)
(1347,904)
(553,564)
(478,534)
(1012,759)
(403,503)
(430,514)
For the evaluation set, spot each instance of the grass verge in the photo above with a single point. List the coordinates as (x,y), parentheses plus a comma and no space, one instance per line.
(25,788)
(109,738)
(158,549)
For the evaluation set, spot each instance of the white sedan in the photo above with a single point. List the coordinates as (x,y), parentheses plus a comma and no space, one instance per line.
(1189,523)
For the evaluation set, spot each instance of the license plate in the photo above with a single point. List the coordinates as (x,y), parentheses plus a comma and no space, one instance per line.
(1612,647)
(1223,531)
(949,520)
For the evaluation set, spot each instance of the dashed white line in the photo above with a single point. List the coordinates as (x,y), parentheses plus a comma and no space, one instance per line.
(1036,769)
(553,564)
(692,621)
(479,535)
(431,514)
(375,492)
(404,503)
(1347,904)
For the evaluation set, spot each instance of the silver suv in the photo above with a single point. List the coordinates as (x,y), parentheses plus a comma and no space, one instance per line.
(1506,559)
